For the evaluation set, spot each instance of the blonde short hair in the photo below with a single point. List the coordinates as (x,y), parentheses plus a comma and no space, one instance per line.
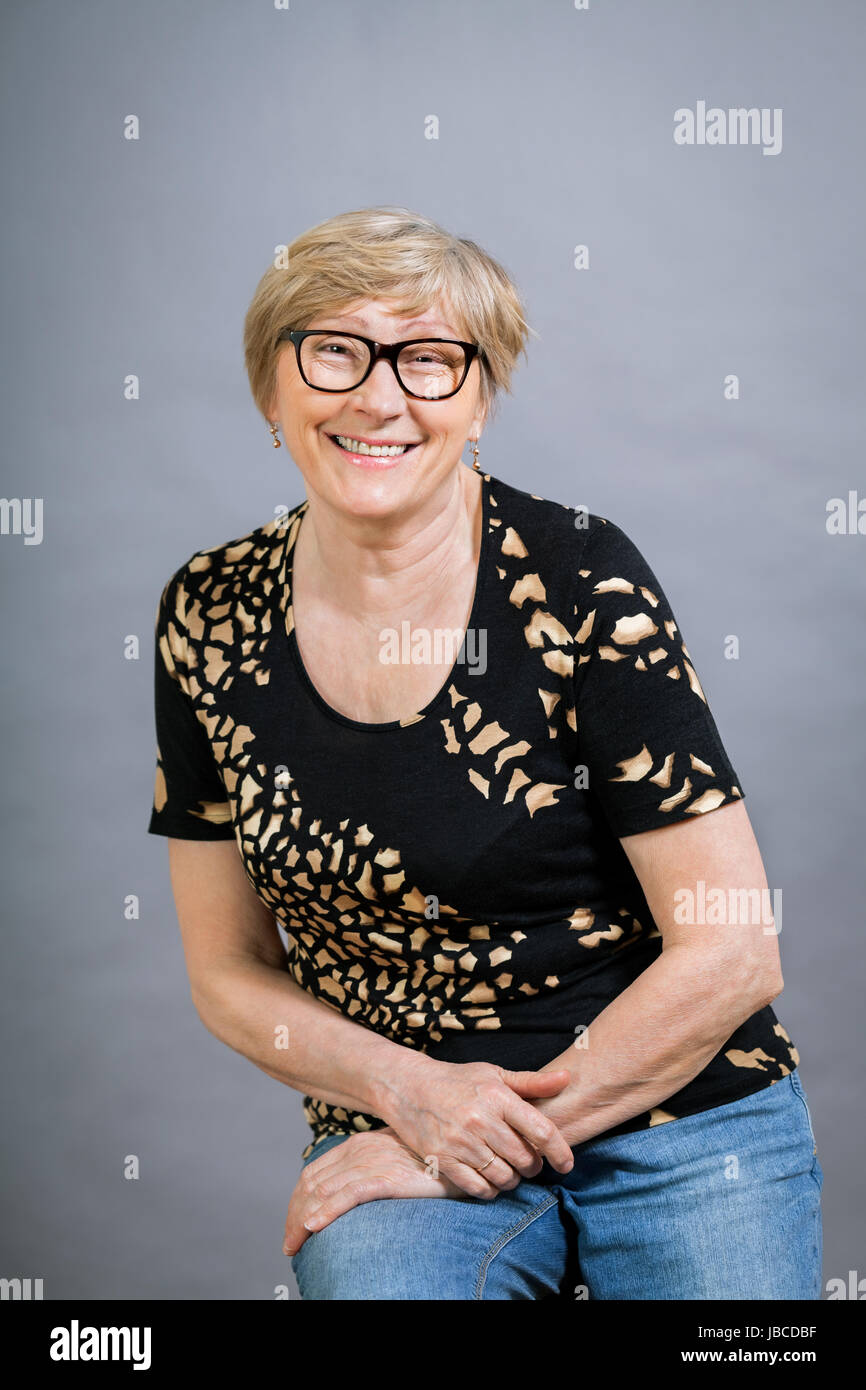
(387,253)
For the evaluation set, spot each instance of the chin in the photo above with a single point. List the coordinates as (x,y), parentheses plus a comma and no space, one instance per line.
(367,492)
(367,489)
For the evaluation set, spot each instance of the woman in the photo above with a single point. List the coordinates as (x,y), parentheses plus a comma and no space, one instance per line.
(532,1061)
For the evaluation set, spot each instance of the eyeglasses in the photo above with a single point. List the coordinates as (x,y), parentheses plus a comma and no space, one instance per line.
(429,369)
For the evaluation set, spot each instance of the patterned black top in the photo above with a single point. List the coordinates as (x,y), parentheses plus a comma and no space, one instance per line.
(454,880)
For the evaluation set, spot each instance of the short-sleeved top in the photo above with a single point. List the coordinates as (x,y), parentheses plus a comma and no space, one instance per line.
(454,880)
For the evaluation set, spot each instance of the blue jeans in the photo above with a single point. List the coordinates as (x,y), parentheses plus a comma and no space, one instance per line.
(723,1204)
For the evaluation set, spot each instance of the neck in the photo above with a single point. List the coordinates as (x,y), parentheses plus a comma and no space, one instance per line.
(382,568)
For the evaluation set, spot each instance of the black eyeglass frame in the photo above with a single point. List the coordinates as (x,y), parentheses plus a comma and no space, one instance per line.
(390,351)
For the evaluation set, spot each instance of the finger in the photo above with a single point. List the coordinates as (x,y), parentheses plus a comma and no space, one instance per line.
(334,1157)
(323,1172)
(473,1183)
(303,1199)
(515,1157)
(499,1174)
(327,1174)
(352,1194)
(536,1083)
(294,1234)
(541,1133)
(497,1137)
(514,1150)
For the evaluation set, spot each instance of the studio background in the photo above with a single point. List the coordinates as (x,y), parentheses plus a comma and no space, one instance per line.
(139,257)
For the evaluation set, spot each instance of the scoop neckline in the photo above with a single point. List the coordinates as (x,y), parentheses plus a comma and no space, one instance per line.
(286,607)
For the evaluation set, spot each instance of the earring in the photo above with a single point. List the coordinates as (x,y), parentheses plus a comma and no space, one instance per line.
(475,455)
(274,428)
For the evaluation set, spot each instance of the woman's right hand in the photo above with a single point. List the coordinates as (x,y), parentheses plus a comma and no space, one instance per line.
(455,1115)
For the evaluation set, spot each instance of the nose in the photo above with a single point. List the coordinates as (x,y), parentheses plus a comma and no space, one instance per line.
(381,393)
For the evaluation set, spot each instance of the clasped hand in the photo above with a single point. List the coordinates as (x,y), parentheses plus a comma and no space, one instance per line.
(446,1121)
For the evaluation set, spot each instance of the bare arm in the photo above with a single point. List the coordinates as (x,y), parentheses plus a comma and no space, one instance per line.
(660,1032)
(243,994)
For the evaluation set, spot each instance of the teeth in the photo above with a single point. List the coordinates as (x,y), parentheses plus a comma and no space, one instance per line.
(355,446)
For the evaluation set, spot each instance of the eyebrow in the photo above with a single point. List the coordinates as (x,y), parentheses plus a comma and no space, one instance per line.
(410,323)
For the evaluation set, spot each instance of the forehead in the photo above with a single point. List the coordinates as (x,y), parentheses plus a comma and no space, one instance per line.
(367,317)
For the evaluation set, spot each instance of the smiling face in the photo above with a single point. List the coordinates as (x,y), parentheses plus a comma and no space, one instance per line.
(377,411)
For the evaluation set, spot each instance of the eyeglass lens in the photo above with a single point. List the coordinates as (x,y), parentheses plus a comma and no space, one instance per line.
(338,363)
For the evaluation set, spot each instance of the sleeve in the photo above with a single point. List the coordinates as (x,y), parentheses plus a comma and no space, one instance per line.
(645,733)
(189,799)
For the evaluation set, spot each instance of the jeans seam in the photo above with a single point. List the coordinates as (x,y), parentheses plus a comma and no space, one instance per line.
(798,1091)
(507,1236)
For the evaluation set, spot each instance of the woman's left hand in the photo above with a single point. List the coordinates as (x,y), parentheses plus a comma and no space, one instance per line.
(363,1168)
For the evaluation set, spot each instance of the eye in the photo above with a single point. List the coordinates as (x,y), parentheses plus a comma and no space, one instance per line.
(428,355)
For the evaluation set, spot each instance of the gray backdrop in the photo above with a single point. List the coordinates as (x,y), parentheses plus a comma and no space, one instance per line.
(140,256)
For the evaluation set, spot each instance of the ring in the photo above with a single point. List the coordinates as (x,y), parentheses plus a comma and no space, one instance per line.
(485,1165)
